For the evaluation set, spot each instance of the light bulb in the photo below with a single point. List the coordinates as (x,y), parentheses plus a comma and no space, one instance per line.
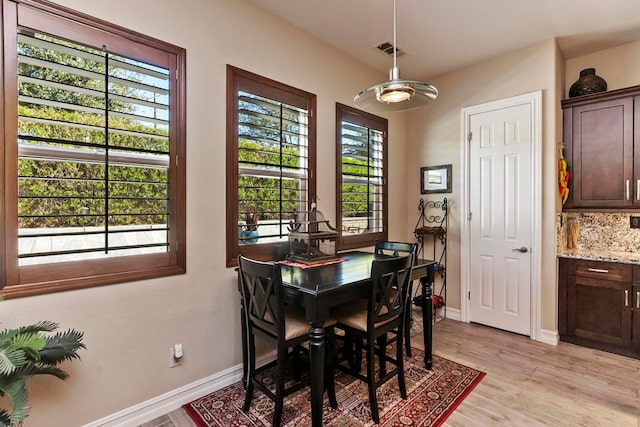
(395,93)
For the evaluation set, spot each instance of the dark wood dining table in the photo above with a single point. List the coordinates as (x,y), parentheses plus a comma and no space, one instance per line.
(319,288)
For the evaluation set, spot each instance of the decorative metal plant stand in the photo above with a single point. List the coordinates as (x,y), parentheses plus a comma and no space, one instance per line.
(433,222)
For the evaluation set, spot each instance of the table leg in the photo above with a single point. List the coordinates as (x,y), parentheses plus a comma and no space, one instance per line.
(427,321)
(316,355)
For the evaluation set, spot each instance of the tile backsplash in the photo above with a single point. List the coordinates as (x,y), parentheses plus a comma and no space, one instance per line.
(600,232)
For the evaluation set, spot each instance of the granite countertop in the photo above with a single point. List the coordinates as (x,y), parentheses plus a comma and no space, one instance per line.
(600,255)
(602,236)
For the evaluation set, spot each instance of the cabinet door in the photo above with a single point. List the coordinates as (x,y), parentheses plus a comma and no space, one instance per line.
(635,303)
(566,268)
(599,310)
(636,147)
(602,148)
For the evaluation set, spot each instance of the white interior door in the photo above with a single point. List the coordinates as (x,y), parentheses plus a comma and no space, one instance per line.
(500,217)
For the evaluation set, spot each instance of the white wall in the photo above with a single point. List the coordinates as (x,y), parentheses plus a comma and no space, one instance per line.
(130,327)
(434,138)
(618,66)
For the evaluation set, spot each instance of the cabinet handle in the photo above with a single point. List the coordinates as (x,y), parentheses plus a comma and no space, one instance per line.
(626,298)
(627,189)
(638,299)
(598,270)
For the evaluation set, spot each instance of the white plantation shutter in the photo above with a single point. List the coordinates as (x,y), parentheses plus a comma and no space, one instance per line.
(362,169)
(272,163)
(94,152)
(362,179)
(93,141)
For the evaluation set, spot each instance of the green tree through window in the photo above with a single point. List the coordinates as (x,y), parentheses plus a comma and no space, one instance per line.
(271,145)
(361,140)
(97,146)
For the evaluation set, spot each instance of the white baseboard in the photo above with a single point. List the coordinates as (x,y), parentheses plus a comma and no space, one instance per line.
(549,337)
(174,399)
(452,313)
(545,336)
(160,405)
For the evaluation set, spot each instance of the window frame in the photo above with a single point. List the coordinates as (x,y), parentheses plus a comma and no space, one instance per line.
(58,21)
(238,79)
(371,121)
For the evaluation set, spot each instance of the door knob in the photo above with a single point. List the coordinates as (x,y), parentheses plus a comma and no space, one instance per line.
(523,250)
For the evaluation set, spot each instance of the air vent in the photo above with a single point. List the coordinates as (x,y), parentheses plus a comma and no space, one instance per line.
(387,47)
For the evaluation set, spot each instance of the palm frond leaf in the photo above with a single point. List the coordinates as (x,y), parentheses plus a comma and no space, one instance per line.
(62,346)
(10,359)
(42,326)
(7,335)
(30,342)
(19,397)
(4,418)
(27,351)
(32,369)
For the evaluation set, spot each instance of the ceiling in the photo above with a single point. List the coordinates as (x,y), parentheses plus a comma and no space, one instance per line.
(439,36)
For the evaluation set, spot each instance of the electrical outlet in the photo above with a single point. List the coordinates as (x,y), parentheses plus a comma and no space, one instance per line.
(634,221)
(173,360)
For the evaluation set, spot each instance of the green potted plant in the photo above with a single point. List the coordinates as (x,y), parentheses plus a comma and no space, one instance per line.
(27,351)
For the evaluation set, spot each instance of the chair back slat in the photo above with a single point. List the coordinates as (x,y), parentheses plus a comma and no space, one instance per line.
(262,294)
(383,247)
(389,277)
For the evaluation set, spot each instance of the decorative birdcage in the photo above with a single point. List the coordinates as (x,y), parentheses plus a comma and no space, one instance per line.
(312,239)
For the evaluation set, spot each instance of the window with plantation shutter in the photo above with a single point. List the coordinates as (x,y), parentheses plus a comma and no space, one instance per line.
(361,180)
(271,158)
(97,146)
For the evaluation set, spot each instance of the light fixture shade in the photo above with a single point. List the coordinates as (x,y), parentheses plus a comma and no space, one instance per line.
(396,96)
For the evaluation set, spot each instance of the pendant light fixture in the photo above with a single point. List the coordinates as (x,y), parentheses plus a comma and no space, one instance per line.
(396,94)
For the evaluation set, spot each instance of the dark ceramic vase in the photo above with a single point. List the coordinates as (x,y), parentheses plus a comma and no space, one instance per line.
(587,84)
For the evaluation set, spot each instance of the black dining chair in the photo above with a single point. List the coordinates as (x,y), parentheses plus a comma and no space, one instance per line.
(397,249)
(372,319)
(267,315)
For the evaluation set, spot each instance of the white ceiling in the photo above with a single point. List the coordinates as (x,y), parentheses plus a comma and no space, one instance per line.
(439,36)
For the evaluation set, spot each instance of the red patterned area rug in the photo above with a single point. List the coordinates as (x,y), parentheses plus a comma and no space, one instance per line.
(431,397)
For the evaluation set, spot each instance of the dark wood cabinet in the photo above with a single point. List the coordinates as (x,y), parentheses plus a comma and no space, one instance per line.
(635,307)
(635,338)
(595,310)
(597,305)
(600,133)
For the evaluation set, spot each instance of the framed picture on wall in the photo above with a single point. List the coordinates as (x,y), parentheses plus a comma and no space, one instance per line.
(435,179)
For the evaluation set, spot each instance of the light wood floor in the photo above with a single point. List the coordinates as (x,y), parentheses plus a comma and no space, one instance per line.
(527,383)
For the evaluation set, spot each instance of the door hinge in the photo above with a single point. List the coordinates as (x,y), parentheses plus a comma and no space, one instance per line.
(469,216)
(470,137)
(469,295)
